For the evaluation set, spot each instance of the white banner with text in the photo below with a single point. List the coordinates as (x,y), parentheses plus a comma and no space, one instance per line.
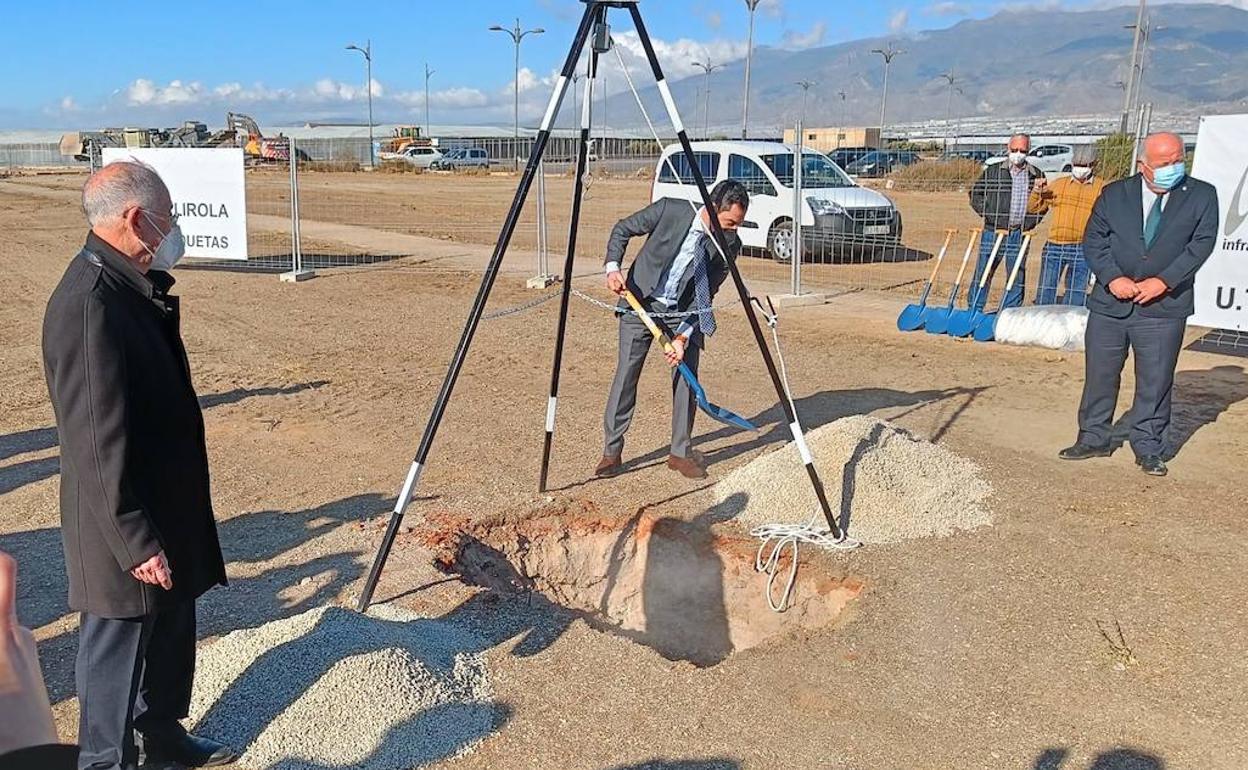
(1222,284)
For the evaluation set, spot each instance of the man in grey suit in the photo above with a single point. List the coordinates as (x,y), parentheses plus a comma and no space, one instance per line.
(1147,237)
(678,270)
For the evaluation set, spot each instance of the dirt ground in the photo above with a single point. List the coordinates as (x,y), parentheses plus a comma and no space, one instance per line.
(980,650)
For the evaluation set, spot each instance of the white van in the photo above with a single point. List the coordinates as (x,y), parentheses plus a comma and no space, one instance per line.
(838,215)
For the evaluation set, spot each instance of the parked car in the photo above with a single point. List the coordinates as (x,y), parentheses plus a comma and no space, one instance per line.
(837,214)
(1049,158)
(881,162)
(421,157)
(464,157)
(843,156)
(979,156)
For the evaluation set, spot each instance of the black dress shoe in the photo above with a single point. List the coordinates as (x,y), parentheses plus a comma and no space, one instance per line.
(1082,451)
(188,750)
(1153,465)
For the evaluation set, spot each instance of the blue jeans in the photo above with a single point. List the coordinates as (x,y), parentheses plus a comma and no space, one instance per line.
(1007,256)
(1060,259)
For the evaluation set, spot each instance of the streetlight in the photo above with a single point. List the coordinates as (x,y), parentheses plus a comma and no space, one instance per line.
(517,35)
(889,53)
(708,68)
(1135,61)
(428,73)
(367,50)
(805,86)
(957,129)
(948,76)
(752,5)
(844,110)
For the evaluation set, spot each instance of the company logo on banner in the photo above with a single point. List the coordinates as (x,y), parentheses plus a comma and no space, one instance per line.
(1222,284)
(208,191)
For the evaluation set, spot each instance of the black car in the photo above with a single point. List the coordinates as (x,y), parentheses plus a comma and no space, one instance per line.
(844,156)
(979,156)
(881,162)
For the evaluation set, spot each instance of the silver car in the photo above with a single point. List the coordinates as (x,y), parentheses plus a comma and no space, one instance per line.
(1049,158)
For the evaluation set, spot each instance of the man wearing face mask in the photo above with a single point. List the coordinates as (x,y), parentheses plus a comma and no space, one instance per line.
(1070,199)
(136,515)
(1147,237)
(1002,195)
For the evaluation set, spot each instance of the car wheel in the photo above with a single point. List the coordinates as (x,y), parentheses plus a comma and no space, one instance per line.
(780,241)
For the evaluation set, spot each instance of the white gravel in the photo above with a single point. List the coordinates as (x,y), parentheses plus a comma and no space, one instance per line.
(901,487)
(333,689)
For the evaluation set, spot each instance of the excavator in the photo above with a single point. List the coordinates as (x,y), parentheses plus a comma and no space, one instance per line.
(240,131)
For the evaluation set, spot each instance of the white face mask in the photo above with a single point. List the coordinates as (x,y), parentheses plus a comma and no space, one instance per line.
(171,249)
(1018,158)
(1081,172)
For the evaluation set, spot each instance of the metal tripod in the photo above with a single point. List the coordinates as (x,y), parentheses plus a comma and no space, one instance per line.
(592,22)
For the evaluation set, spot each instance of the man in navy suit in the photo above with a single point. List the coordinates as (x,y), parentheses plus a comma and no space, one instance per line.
(1147,237)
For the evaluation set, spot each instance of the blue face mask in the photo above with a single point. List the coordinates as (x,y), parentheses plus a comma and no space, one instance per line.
(1168,176)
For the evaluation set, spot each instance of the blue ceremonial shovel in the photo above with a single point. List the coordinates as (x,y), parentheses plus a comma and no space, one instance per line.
(937,320)
(962,322)
(912,316)
(719,413)
(986,326)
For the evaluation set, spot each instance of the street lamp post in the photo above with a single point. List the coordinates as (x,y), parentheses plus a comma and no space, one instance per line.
(367,50)
(889,53)
(708,68)
(1135,61)
(752,5)
(844,110)
(428,73)
(805,86)
(948,76)
(517,35)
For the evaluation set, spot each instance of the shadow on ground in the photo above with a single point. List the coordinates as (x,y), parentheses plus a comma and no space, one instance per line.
(1200,397)
(683,764)
(1115,759)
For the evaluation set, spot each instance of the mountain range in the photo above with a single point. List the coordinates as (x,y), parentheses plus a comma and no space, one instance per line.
(1013,64)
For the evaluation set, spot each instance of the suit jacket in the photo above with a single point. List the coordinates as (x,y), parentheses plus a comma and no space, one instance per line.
(1114,247)
(666,223)
(134,468)
(992,192)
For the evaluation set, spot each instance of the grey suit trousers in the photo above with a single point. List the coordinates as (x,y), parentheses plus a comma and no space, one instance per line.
(1156,343)
(635,341)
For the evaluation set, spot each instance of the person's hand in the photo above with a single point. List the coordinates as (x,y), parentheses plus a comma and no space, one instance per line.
(1123,287)
(1041,185)
(615,282)
(677,352)
(1150,289)
(23,697)
(155,571)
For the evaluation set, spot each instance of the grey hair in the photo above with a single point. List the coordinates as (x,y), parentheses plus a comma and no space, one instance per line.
(120,186)
(1083,156)
(1020,135)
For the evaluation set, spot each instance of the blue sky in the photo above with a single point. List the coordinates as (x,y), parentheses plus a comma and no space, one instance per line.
(77,64)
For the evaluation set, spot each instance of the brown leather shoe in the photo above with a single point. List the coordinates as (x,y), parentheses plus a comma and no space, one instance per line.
(608,466)
(686,466)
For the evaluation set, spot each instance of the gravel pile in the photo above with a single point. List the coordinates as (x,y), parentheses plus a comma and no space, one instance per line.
(894,486)
(331,688)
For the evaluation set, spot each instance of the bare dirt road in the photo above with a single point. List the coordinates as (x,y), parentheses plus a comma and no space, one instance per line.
(980,650)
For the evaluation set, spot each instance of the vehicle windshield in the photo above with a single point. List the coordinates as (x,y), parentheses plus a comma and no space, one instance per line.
(872,157)
(817,170)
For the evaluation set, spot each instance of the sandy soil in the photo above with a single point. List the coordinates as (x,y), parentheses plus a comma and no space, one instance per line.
(977,651)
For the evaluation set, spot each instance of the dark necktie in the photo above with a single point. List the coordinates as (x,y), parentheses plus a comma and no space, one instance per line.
(702,285)
(1153,223)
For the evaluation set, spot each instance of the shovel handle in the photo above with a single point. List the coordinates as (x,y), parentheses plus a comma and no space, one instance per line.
(992,258)
(1018,261)
(647,320)
(949,233)
(966,258)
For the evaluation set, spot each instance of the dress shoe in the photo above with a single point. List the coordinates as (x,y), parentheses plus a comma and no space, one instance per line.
(1082,451)
(608,466)
(686,466)
(187,750)
(1153,465)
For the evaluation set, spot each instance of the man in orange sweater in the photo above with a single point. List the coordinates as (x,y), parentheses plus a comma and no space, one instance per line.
(1071,200)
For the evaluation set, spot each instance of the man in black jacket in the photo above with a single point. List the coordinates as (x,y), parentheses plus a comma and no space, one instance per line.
(1000,196)
(136,517)
(678,270)
(1147,237)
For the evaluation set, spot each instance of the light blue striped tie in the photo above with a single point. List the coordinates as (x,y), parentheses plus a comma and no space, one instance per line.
(702,285)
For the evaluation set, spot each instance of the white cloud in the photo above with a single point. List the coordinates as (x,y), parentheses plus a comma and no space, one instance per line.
(773,8)
(68,104)
(798,40)
(676,56)
(947,8)
(145,92)
(898,21)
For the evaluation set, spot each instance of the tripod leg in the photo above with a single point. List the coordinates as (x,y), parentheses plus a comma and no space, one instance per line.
(478,307)
(718,233)
(582,159)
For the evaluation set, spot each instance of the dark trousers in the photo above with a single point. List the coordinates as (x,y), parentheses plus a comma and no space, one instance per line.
(132,673)
(635,341)
(1156,343)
